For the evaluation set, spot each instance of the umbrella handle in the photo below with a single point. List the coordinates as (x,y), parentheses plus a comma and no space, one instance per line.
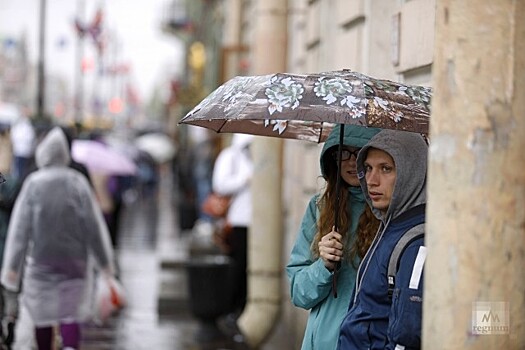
(337,199)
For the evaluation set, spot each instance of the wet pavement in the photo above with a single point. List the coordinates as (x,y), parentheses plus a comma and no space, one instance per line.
(151,257)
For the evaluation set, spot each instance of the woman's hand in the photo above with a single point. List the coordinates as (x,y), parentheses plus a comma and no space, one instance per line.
(331,249)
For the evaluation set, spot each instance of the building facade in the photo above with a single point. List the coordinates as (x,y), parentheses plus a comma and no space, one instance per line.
(385,39)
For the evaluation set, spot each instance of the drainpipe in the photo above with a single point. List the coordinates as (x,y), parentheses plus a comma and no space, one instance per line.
(265,241)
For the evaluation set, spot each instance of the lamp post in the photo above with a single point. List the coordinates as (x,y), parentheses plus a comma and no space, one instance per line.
(79,72)
(40,100)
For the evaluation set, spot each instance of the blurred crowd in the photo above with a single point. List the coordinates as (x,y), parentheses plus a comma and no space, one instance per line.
(119,168)
(119,165)
(61,180)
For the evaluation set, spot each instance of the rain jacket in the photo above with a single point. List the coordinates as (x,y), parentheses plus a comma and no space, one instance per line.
(310,280)
(374,321)
(56,226)
(231,177)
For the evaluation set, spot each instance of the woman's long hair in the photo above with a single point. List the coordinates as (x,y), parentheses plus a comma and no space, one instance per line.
(367,225)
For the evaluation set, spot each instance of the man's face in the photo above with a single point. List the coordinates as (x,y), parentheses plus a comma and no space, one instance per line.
(380,178)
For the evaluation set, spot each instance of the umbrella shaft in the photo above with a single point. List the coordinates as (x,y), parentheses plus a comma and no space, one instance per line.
(338,181)
(337,202)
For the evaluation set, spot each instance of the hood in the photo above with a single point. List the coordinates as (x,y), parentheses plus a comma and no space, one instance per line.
(53,150)
(354,136)
(409,151)
(241,140)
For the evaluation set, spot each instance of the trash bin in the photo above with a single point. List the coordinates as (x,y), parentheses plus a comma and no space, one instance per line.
(210,291)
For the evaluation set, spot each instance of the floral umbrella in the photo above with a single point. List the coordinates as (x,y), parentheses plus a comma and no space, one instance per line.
(306,107)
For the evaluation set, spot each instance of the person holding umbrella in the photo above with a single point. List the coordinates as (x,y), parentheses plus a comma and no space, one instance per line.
(386,312)
(319,248)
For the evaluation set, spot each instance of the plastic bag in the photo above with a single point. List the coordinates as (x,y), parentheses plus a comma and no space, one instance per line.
(110,298)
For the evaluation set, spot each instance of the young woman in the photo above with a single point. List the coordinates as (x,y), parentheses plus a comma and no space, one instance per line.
(319,251)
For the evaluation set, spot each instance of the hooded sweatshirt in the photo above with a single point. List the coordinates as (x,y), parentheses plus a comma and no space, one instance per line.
(374,320)
(310,281)
(55,226)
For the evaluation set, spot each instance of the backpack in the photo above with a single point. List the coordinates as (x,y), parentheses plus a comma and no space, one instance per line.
(408,237)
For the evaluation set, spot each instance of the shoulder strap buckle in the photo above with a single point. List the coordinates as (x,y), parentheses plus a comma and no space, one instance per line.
(408,237)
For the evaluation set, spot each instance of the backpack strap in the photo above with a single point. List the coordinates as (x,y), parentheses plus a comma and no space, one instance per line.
(408,237)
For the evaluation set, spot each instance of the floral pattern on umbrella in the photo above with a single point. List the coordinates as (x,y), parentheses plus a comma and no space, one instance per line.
(307,106)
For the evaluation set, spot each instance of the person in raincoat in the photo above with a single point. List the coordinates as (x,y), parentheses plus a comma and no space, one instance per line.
(56,226)
(311,265)
(392,169)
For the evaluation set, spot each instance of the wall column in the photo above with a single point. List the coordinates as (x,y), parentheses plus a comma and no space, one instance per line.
(476,206)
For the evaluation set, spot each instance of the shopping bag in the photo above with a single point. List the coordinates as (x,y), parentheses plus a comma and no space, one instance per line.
(216,205)
(110,298)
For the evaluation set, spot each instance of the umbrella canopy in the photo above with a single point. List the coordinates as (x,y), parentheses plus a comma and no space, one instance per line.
(99,158)
(160,146)
(306,107)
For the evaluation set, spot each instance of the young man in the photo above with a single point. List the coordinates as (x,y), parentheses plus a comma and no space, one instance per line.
(392,168)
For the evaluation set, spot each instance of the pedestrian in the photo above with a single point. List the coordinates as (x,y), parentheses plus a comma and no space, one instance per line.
(392,169)
(6,150)
(56,225)
(23,139)
(232,174)
(317,247)
(8,299)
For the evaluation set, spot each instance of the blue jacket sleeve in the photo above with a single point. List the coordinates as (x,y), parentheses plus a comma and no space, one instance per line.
(406,313)
(310,280)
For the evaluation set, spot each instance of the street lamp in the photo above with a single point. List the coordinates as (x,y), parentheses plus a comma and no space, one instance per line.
(40,107)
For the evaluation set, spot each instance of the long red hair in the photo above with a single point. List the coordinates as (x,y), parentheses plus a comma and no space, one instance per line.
(367,225)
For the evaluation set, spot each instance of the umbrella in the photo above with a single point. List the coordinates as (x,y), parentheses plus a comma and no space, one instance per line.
(160,146)
(99,158)
(306,107)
